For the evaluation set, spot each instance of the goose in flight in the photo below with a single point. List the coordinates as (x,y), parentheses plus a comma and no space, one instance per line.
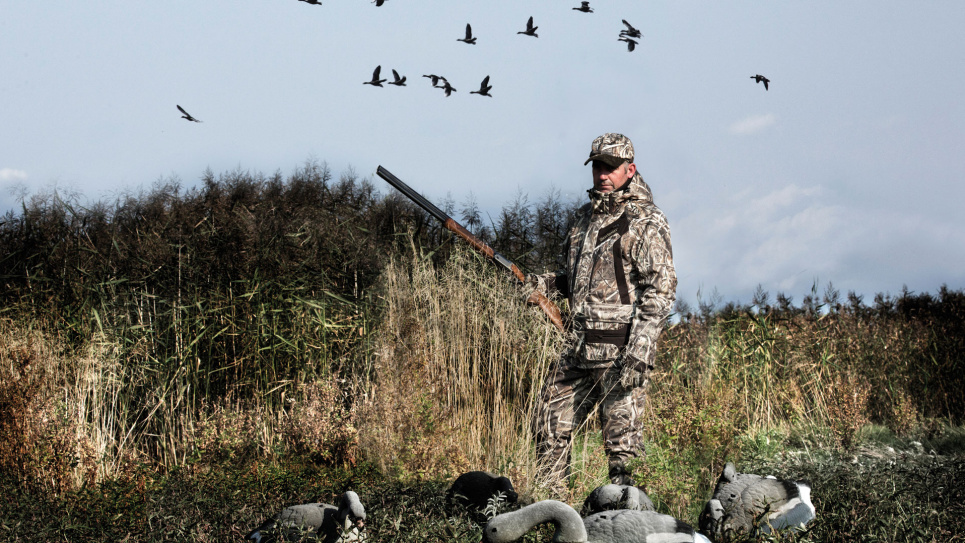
(584,7)
(468,39)
(187,115)
(630,31)
(631,44)
(448,88)
(483,88)
(312,2)
(530,29)
(435,79)
(376,82)
(399,81)
(761,79)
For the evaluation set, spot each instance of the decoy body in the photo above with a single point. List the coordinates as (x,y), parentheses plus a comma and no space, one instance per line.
(584,7)
(399,81)
(530,29)
(630,32)
(477,490)
(435,79)
(622,526)
(187,115)
(744,503)
(631,44)
(483,88)
(468,39)
(324,522)
(761,79)
(375,77)
(611,497)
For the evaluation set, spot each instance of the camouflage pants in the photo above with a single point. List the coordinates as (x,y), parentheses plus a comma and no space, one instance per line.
(570,392)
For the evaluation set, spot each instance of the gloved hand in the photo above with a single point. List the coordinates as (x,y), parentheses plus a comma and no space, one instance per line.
(633,371)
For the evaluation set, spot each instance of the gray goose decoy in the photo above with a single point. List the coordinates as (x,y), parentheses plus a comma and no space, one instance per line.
(324,522)
(630,32)
(631,44)
(761,79)
(399,81)
(187,115)
(530,29)
(376,82)
(584,7)
(468,39)
(610,497)
(746,503)
(622,526)
(483,88)
(476,490)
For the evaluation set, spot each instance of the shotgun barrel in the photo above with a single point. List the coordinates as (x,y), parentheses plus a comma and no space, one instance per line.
(545,304)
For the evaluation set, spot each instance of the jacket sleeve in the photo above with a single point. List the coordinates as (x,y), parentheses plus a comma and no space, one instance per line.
(656,281)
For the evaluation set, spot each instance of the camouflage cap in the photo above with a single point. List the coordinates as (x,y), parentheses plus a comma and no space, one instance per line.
(614,149)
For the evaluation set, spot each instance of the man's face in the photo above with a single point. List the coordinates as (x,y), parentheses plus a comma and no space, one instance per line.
(607,178)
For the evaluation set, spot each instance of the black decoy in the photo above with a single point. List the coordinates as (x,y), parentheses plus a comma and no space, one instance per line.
(761,79)
(631,44)
(448,88)
(468,39)
(530,29)
(630,31)
(399,81)
(584,7)
(187,115)
(435,79)
(312,2)
(483,88)
(375,78)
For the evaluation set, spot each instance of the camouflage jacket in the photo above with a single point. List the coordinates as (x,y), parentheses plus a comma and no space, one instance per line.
(617,272)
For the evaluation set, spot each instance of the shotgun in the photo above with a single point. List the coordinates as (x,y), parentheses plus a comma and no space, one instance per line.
(538,298)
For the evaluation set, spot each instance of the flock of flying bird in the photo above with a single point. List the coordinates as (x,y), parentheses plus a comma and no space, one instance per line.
(742,503)
(630,35)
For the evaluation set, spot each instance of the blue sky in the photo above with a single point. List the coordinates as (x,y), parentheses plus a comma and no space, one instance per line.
(848,170)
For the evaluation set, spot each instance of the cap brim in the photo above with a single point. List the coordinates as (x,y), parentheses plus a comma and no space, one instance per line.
(609,159)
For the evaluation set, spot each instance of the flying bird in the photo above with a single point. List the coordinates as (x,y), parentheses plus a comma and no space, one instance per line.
(448,88)
(378,2)
(483,88)
(631,44)
(630,31)
(399,81)
(761,79)
(375,78)
(530,29)
(187,115)
(584,7)
(312,2)
(468,39)
(435,79)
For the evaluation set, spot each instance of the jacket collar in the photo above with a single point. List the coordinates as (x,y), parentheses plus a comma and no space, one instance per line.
(636,190)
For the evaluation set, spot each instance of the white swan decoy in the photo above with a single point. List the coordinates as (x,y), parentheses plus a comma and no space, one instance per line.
(611,496)
(744,502)
(325,522)
(624,526)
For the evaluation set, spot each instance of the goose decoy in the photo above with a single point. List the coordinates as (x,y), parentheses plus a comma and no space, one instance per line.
(187,115)
(631,44)
(745,503)
(483,88)
(530,29)
(610,497)
(761,79)
(399,81)
(312,2)
(584,7)
(476,490)
(630,32)
(622,526)
(326,523)
(468,39)
(449,89)
(376,82)
(435,79)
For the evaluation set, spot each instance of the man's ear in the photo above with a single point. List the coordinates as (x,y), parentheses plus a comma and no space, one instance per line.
(631,169)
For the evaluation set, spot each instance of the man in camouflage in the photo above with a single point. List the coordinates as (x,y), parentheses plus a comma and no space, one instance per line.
(618,275)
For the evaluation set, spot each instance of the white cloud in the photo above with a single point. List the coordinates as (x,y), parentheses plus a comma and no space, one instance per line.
(753,125)
(10,174)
